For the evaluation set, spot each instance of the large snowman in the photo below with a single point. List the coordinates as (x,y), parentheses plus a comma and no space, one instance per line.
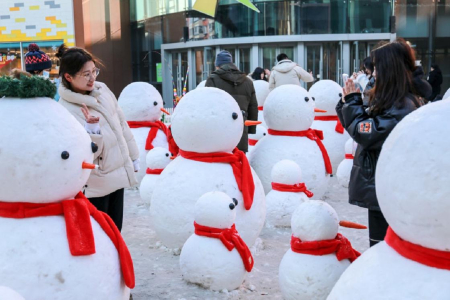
(327,94)
(289,113)
(142,106)
(207,125)
(54,246)
(413,191)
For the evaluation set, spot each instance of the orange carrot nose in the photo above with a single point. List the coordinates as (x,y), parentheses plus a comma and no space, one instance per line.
(86,165)
(173,157)
(252,123)
(319,110)
(353,225)
(165,111)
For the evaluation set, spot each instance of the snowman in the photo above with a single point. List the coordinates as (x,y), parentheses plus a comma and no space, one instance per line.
(318,254)
(345,167)
(288,192)
(157,159)
(327,94)
(201,84)
(207,125)
(289,113)
(142,106)
(9,294)
(253,139)
(413,191)
(215,256)
(55,243)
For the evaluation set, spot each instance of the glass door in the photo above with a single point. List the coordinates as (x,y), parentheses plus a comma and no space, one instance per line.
(314,58)
(180,72)
(268,55)
(204,63)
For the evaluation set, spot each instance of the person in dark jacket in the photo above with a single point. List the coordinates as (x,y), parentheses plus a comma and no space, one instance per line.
(228,78)
(392,98)
(423,88)
(435,80)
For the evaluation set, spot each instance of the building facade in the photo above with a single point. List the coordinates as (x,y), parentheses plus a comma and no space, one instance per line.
(174,46)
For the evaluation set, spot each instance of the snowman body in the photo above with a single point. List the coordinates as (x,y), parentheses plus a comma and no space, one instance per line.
(157,159)
(327,94)
(9,294)
(344,169)
(305,276)
(261,91)
(202,126)
(34,256)
(415,207)
(140,101)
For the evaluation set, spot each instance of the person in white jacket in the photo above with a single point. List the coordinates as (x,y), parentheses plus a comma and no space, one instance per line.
(287,72)
(94,105)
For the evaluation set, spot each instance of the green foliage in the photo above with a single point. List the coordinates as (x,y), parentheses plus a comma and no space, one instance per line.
(26,87)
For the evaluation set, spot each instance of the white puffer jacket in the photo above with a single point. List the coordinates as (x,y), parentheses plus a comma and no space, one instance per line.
(288,72)
(116,145)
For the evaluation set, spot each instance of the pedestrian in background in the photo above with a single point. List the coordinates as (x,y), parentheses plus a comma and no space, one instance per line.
(259,74)
(435,80)
(287,72)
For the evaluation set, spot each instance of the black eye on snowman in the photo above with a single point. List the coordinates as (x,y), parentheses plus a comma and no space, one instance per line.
(264,134)
(306,99)
(340,95)
(314,99)
(155,103)
(167,154)
(94,147)
(234,115)
(235,201)
(232,206)
(65,155)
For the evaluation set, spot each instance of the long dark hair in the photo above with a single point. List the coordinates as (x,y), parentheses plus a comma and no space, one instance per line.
(256,75)
(436,68)
(71,61)
(368,66)
(394,66)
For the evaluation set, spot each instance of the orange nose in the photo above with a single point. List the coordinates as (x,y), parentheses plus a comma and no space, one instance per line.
(173,157)
(165,111)
(319,110)
(252,123)
(86,165)
(353,225)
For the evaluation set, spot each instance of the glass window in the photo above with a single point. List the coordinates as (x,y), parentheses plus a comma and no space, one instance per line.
(269,57)
(368,16)
(313,61)
(9,58)
(244,60)
(413,17)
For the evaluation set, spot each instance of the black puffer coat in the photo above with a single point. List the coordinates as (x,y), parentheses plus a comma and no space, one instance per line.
(240,87)
(370,132)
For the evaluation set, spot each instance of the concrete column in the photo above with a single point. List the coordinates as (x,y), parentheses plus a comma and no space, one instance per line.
(254,57)
(346,57)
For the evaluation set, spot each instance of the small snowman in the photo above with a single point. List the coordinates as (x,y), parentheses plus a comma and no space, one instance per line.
(201,84)
(157,159)
(215,256)
(253,139)
(142,106)
(318,254)
(55,243)
(412,186)
(327,94)
(288,192)
(8,294)
(207,133)
(289,113)
(345,167)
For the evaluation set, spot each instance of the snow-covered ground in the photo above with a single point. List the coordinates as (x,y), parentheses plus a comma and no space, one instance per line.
(158,275)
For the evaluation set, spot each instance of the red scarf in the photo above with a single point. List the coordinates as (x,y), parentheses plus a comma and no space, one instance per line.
(260,108)
(338,128)
(252,142)
(339,245)
(349,156)
(154,171)
(231,239)
(312,134)
(425,256)
(80,236)
(173,147)
(241,169)
(294,188)
(154,127)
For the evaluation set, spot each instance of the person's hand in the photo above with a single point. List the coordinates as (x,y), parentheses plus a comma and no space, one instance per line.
(350,88)
(89,119)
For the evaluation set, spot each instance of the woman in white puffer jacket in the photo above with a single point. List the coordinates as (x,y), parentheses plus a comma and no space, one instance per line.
(95,107)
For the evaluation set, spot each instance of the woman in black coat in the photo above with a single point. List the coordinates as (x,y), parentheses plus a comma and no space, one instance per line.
(390,101)
(435,80)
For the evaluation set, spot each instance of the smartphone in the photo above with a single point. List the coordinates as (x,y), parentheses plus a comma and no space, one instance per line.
(344,78)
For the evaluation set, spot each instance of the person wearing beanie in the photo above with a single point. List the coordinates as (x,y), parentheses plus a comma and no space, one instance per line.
(230,79)
(36,61)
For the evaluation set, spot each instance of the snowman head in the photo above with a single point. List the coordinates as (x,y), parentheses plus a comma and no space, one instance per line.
(261,90)
(286,172)
(289,108)
(158,158)
(261,132)
(327,94)
(314,220)
(42,151)
(201,84)
(412,182)
(140,101)
(10,294)
(207,120)
(349,146)
(215,209)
